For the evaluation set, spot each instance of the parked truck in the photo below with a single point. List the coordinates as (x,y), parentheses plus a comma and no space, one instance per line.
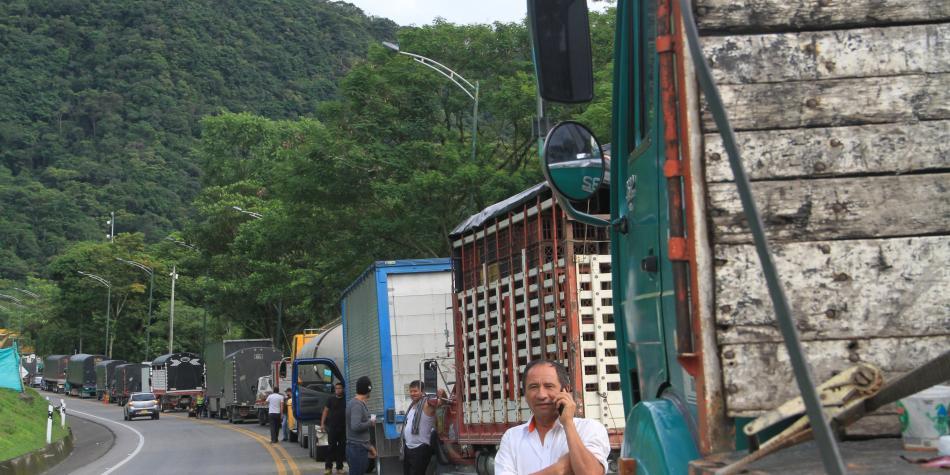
(54,372)
(395,315)
(529,282)
(218,382)
(129,378)
(105,375)
(34,370)
(242,370)
(837,115)
(326,343)
(81,375)
(177,379)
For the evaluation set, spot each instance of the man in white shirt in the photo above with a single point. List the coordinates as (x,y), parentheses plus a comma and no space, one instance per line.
(553,441)
(275,403)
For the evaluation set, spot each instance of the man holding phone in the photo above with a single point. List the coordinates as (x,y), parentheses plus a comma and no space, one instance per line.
(553,441)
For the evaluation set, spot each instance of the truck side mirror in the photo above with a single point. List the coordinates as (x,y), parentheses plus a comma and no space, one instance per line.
(560,38)
(574,164)
(430,377)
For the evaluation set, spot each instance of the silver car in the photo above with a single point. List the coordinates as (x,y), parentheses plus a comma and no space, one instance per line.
(142,404)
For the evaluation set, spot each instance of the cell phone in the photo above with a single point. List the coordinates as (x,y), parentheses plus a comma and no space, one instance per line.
(560,406)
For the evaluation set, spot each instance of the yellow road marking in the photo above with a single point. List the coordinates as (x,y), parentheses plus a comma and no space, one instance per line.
(276,451)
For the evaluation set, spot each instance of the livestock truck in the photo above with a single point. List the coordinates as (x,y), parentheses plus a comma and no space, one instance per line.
(529,282)
(81,375)
(105,375)
(216,355)
(177,380)
(832,119)
(129,378)
(54,372)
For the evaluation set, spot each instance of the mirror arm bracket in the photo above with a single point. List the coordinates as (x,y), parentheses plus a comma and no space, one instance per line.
(620,224)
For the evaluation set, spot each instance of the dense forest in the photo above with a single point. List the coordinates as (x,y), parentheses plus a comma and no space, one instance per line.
(267,151)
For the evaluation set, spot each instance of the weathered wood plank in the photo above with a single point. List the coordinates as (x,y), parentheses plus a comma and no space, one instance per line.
(829,54)
(835,102)
(758,377)
(835,208)
(817,152)
(838,289)
(759,15)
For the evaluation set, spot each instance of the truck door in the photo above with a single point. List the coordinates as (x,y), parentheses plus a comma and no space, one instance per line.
(312,386)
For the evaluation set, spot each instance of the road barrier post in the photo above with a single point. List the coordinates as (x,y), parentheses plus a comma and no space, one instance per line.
(49,425)
(62,413)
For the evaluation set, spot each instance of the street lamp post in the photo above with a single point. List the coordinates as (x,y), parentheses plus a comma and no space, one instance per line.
(471,90)
(111,224)
(151,285)
(249,213)
(280,304)
(107,285)
(171,318)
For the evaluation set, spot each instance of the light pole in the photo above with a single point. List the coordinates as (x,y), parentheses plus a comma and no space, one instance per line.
(151,285)
(471,90)
(111,224)
(21,306)
(171,318)
(107,285)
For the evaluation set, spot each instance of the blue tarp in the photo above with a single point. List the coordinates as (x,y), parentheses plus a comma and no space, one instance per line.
(10,368)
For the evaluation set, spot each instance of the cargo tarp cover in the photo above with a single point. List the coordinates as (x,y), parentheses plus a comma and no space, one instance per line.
(10,368)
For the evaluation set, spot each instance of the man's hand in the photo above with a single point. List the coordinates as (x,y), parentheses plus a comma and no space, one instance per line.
(561,467)
(565,400)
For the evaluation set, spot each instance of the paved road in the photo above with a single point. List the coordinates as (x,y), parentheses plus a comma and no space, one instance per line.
(174,444)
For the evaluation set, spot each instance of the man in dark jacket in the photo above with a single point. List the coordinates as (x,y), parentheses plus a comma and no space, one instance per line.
(358,424)
(333,424)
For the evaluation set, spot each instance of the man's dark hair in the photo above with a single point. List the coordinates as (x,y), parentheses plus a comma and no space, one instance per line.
(287,390)
(416,384)
(340,384)
(562,376)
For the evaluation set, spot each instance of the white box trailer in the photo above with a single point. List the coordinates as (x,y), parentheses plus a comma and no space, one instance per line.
(395,315)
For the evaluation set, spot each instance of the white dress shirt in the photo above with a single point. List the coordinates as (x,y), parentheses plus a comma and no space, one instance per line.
(521,451)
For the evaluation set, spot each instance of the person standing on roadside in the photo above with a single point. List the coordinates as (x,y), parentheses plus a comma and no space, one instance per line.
(416,433)
(288,408)
(333,423)
(275,406)
(358,424)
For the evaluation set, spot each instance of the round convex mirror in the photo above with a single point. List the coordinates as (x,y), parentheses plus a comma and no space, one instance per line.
(573,161)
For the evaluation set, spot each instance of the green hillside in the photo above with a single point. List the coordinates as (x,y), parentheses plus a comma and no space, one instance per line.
(23,424)
(100,104)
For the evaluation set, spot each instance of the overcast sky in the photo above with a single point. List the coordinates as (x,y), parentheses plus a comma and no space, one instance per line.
(422,12)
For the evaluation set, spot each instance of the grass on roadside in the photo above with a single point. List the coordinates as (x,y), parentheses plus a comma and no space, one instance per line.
(23,423)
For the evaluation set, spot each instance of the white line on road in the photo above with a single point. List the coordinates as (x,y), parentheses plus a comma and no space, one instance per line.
(134,452)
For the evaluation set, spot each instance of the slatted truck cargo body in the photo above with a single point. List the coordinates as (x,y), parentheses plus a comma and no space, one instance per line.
(215,355)
(530,283)
(242,369)
(842,116)
(178,378)
(396,314)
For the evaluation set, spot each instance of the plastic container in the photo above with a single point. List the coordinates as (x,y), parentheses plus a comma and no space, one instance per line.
(943,446)
(923,418)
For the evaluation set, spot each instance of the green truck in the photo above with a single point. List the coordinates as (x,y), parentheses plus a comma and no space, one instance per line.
(840,112)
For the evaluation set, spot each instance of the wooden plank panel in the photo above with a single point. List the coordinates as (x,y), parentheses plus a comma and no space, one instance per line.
(865,149)
(718,15)
(829,54)
(838,289)
(767,364)
(835,102)
(836,208)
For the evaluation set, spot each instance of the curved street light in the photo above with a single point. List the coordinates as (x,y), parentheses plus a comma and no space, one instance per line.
(108,285)
(151,285)
(471,90)
(249,213)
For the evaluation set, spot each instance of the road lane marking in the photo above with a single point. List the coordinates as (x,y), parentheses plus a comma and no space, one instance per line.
(274,449)
(134,452)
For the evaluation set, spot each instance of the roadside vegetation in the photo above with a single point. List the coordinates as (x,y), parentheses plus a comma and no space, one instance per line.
(23,424)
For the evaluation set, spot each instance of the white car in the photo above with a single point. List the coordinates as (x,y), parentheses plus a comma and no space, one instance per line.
(142,404)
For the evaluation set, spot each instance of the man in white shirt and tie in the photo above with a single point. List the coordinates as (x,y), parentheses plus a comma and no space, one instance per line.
(553,441)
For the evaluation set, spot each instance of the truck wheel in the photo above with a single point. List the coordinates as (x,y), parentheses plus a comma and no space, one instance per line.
(485,463)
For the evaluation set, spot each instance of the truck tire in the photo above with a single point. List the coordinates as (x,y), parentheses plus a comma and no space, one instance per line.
(485,463)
